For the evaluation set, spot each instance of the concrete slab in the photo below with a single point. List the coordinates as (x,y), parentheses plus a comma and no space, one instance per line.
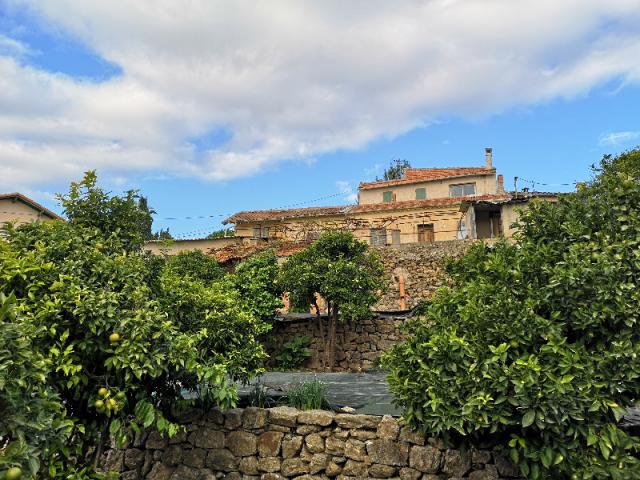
(365,392)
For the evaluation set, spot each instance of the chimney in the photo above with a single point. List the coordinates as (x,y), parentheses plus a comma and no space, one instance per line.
(500,184)
(488,158)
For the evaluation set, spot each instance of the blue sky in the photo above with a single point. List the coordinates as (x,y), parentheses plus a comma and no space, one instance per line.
(212,111)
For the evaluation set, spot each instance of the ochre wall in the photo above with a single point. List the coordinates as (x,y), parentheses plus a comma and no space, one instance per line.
(176,246)
(19,213)
(485,184)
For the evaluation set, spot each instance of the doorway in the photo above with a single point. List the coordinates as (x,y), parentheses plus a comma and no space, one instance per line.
(425,233)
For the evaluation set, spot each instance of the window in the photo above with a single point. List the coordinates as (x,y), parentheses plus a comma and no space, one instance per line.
(462,190)
(421,193)
(378,236)
(387,197)
(256,232)
(265,232)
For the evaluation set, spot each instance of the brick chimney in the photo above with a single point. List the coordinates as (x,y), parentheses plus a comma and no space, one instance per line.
(488,158)
(500,184)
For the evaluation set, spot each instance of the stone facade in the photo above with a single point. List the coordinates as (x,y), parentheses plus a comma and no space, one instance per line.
(421,267)
(359,344)
(285,443)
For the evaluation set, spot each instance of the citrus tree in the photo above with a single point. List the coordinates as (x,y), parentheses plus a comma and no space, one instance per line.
(537,344)
(340,269)
(256,281)
(33,423)
(111,340)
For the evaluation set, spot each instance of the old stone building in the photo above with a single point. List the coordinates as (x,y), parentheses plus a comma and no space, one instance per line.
(426,205)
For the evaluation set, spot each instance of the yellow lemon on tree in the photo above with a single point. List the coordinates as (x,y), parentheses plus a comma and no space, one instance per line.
(103,392)
(14,473)
(114,337)
(99,404)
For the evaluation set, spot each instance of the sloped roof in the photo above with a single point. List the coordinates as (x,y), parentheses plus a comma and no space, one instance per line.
(283,214)
(16,196)
(274,215)
(241,251)
(417,175)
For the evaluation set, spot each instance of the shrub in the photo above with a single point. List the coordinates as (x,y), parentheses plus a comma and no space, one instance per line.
(32,418)
(197,265)
(255,280)
(294,353)
(115,335)
(258,396)
(308,396)
(538,342)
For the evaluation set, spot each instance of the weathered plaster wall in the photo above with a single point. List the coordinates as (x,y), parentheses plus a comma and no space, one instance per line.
(435,188)
(282,443)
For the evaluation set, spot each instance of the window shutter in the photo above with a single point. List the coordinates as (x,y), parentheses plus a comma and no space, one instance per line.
(421,193)
(387,197)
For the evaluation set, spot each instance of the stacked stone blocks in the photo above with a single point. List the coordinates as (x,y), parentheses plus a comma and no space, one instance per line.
(284,443)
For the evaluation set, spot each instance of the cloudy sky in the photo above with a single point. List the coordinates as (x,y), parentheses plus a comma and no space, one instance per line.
(209,107)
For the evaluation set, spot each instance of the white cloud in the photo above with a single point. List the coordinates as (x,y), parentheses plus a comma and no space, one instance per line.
(617,138)
(345,188)
(290,80)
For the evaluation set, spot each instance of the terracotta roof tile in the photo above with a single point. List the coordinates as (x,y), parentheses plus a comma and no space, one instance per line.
(242,251)
(266,215)
(416,175)
(282,214)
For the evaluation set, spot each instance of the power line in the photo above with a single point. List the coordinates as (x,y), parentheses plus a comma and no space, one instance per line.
(218,215)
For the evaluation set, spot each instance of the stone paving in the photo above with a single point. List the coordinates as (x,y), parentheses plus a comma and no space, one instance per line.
(365,392)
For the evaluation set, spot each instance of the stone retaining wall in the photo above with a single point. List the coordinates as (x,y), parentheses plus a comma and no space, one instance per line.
(359,344)
(285,443)
(421,266)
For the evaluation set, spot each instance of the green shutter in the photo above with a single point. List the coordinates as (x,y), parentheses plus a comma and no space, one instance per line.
(387,197)
(421,193)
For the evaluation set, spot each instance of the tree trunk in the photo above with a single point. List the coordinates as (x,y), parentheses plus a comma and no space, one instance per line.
(333,321)
(322,358)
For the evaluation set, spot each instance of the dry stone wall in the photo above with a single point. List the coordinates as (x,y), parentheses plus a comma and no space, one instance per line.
(359,344)
(284,443)
(421,266)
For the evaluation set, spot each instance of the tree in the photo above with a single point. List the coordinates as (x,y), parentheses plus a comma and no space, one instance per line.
(89,206)
(343,272)
(162,234)
(222,233)
(256,281)
(113,333)
(197,265)
(537,344)
(396,169)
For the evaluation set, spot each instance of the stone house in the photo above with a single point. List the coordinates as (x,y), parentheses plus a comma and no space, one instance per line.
(426,205)
(19,209)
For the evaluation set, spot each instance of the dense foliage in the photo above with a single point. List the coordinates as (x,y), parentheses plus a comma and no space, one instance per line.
(294,353)
(128,216)
(256,281)
(114,337)
(396,170)
(32,418)
(538,342)
(196,265)
(340,269)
